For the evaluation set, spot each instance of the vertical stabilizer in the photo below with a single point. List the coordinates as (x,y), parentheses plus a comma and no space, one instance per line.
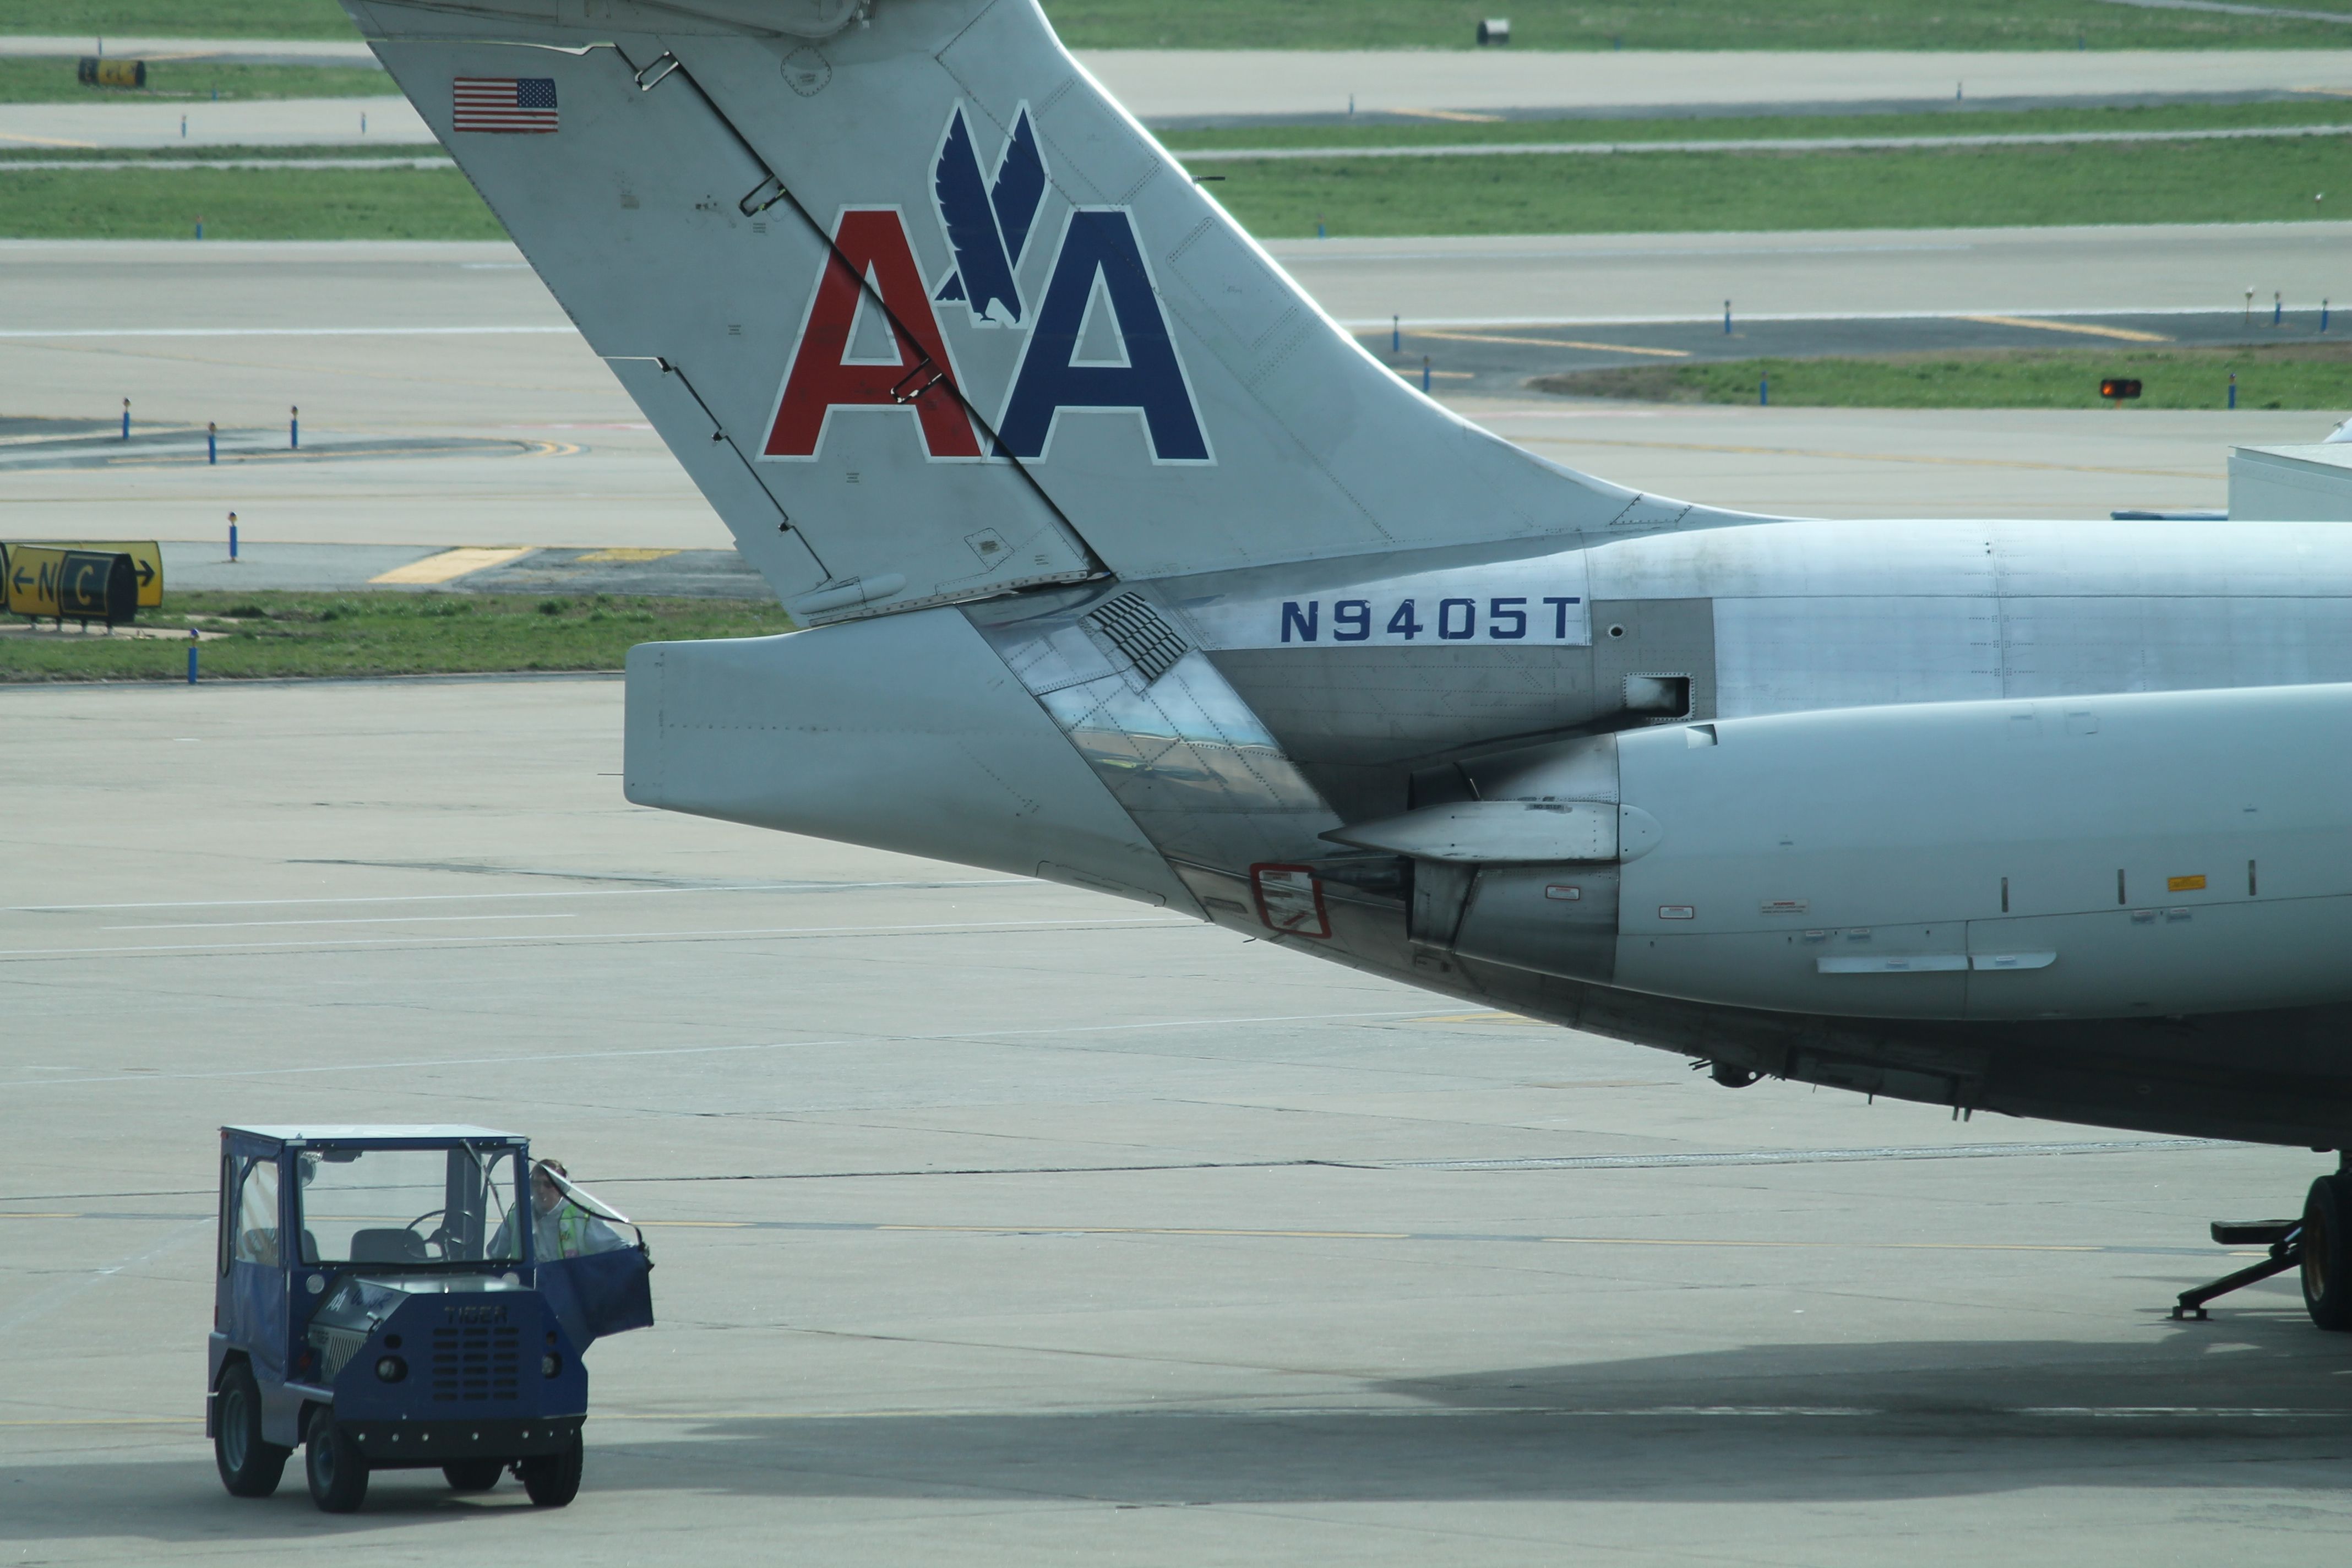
(929,317)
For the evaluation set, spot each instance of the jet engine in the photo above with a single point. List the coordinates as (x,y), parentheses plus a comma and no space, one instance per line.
(2110,857)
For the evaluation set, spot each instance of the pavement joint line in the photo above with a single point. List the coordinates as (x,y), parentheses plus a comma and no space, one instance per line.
(1456,1238)
(1829,1156)
(1360,1412)
(1751,144)
(656,1051)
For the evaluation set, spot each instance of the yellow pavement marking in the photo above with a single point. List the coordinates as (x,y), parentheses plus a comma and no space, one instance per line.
(1557,344)
(450,565)
(2084,329)
(1478,1018)
(50,142)
(620,555)
(1154,1230)
(1410,375)
(1459,116)
(23,1213)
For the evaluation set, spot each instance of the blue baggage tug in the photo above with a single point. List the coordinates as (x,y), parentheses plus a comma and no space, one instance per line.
(409,1298)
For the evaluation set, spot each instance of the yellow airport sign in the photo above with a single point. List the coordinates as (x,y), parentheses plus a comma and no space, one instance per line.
(146,561)
(71,585)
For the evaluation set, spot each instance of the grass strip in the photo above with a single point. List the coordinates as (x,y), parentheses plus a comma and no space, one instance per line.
(2148,182)
(2207,181)
(242,204)
(2287,376)
(290,634)
(179,18)
(1417,24)
(47,79)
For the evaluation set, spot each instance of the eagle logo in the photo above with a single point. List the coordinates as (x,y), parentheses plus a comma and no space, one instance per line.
(987,219)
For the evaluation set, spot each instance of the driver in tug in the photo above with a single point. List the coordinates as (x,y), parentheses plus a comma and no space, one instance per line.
(559,1227)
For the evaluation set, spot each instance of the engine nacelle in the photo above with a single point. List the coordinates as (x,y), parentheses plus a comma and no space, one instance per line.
(2144,854)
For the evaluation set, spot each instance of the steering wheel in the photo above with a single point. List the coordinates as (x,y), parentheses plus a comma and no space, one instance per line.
(437,1236)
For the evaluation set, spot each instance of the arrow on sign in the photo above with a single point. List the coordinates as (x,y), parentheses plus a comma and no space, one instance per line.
(146,574)
(23,581)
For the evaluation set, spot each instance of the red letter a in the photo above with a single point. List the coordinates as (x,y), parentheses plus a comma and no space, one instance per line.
(871,243)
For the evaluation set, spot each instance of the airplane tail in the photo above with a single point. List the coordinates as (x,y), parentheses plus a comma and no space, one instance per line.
(929,317)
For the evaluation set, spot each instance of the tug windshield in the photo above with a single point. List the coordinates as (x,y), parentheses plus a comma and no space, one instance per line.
(408,1206)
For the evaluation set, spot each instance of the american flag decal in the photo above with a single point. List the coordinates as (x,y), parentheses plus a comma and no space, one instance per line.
(503,103)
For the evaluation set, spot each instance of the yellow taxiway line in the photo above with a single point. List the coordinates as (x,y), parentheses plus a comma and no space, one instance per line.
(450,565)
(1555,343)
(2084,329)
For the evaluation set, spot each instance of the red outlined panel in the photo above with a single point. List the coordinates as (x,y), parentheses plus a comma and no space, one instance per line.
(1290,900)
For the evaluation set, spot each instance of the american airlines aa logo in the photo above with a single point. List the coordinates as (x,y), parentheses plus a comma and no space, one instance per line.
(1097,337)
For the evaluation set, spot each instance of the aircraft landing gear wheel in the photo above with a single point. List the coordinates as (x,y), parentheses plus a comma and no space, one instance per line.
(333,1464)
(553,1479)
(249,1466)
(2327,1253)
(473,1474)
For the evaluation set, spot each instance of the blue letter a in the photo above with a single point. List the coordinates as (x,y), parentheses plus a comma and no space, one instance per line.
(1100,243)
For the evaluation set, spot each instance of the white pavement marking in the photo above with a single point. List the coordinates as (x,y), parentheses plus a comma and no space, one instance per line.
(347,921)
(2227,9)
(134,949)
(558,893)
(12,166)
(1746,144)
(42,1303)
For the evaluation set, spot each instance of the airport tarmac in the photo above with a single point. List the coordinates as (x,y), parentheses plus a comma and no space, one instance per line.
(1001,1223)
(515,435)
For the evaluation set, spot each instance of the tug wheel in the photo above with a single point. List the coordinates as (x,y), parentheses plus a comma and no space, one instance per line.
(249,1466)
(333,1464)
(553,1479)
(473,1474)
(2327,1254)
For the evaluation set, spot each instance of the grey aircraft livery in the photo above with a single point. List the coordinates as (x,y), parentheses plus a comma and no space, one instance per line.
(1126,567)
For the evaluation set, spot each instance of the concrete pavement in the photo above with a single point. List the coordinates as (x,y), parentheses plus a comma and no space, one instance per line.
(461,343)
(1002,1223)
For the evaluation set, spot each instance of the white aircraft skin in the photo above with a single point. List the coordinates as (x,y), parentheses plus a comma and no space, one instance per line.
(1126,567)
